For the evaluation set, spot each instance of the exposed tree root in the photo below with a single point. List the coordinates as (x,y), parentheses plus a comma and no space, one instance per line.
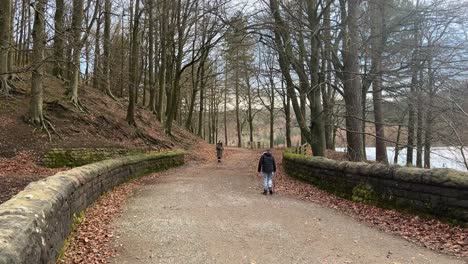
(109,93)
(78,105)
(44,123)
(14,78)
(7,86)
(4,87)
(48,123)
(151,140)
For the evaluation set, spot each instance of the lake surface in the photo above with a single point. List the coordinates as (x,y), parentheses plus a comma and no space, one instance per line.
(441,157)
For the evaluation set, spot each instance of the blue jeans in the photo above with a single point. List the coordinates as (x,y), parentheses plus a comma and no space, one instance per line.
(267,180)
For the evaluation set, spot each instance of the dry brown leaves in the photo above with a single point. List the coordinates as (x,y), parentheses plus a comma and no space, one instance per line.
(24,163)
(91,243)
(430,233)
(19,171)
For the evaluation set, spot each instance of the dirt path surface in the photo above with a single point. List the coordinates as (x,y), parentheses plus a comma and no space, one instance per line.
(214,213)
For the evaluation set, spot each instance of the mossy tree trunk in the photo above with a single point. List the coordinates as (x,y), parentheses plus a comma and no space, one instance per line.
(76,27)
(133,67)
(5,20)
(59,38)
(39,41)
(377,9)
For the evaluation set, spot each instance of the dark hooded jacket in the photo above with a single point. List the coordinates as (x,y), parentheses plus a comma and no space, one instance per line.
(267,163)
(219,150)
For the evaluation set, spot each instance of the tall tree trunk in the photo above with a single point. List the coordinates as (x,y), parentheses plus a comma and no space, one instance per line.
(412,99)
(287,114)
(364,90)
(133,67)
(145,80)
(420,120)
(202,99)
(97,50)
(11,52)
(59,38)
(285,51)
(429,115)
(377,8)
(175,93)
(107,48)
(28,39)
(249,110)
(238,124)
(303,104)
(77,20)
(352,84)
(317,128)
(152,102)
(5,19)
(397,145)
(225,105)
(162,69)
(87,61)
(39,41)
(272,116)
(327,90)
(196,79)
(122,61)
(288,121)
(22,29)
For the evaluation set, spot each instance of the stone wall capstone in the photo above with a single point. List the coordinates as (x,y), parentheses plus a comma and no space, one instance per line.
(75,157)
(35,222)
(440,192)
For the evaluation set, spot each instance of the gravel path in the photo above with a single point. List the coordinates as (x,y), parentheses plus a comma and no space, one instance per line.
(214,213)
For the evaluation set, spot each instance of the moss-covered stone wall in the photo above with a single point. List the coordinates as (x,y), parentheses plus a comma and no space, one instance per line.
(74,157)
(35,222)
(441,192)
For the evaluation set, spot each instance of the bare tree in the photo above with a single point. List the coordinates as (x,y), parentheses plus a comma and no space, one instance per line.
(133,68)
(377,11)
(5,27)
(352,80)
(59,35)
(36,115)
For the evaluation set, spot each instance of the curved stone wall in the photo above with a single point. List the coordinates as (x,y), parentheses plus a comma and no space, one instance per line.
(35,222)
(74,157)
(442,192)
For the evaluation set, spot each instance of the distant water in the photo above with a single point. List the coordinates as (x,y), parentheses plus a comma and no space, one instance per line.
(441,157)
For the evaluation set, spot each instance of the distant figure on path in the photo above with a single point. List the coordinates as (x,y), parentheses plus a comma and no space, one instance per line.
(219,150)
(267,166)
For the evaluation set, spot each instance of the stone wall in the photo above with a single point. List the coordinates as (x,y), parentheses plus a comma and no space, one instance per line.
(74,157)
(35,222)
(441,192)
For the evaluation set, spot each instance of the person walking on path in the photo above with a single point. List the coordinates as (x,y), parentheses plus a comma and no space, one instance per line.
(267,167)
(219,150)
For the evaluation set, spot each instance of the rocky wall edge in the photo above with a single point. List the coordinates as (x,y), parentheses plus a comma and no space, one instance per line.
(441,192)
(35,222)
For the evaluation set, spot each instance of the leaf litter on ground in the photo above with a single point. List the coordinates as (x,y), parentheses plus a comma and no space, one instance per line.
(428,232)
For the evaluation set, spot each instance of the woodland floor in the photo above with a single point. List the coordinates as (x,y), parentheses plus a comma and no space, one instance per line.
(103,125)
